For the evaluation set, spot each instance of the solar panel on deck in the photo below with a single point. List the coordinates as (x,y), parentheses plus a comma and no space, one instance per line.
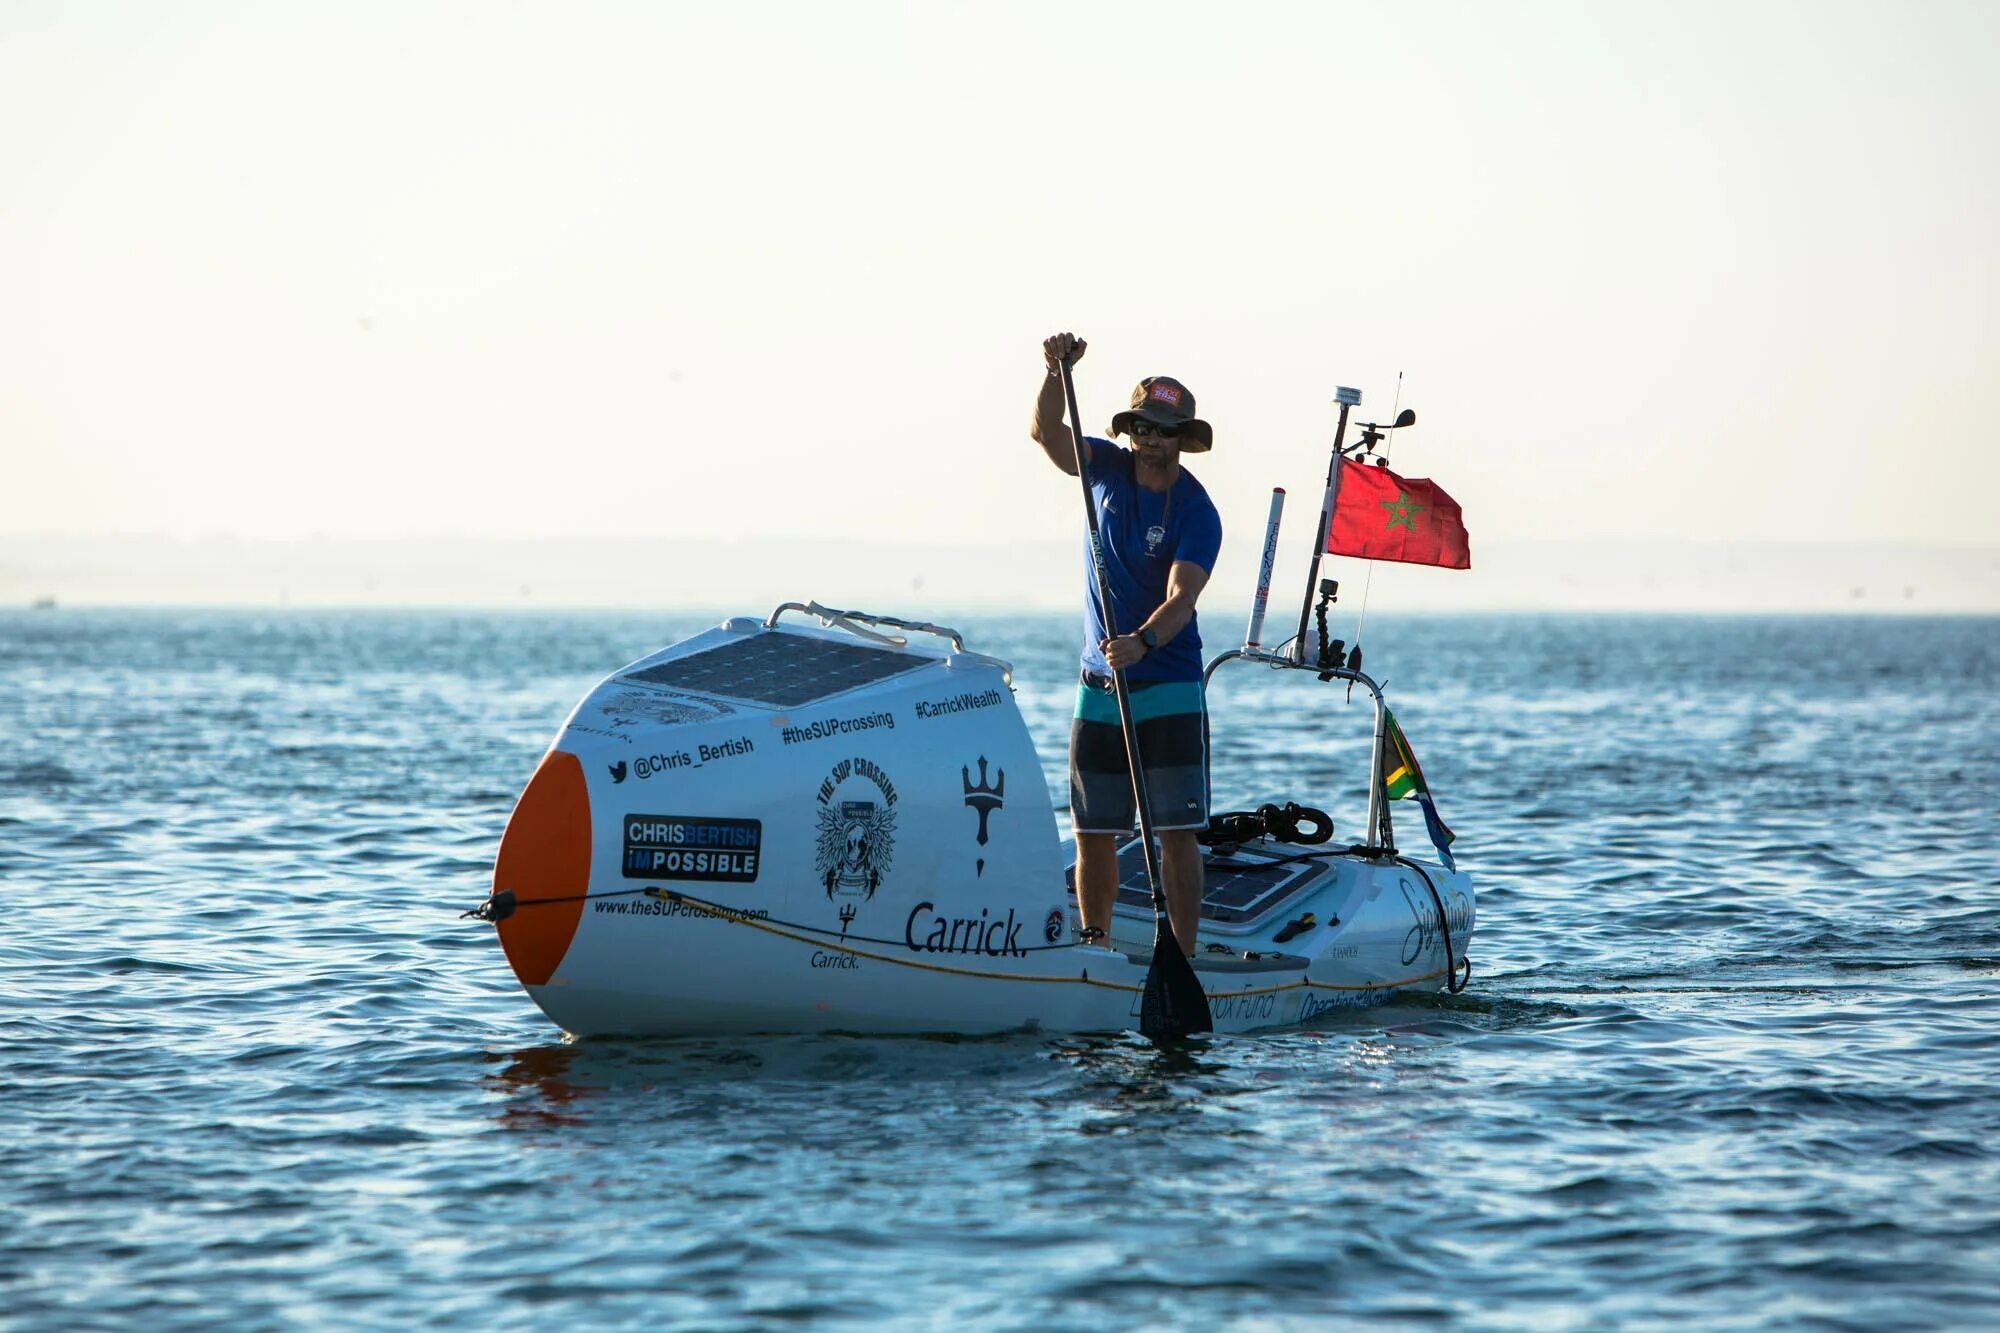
(1233,892)
(781,670)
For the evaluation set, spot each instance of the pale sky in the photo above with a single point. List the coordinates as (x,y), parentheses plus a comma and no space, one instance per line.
(727,271)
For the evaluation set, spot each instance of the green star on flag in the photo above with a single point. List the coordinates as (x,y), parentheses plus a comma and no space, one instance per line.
(1402,512)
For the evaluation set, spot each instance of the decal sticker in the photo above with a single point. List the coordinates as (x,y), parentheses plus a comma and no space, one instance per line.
(690,847)
(1257,1007)
(1314,1005)
(985,799)
(646,765)
(1052,928)
(627,706)
(1252,1007)
(617,771)
(857,831)
(996,937)
(835,726)
(653,765)
(657,907)
(1425,936)
(958,703)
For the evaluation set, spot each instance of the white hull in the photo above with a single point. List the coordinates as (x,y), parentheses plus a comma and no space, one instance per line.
(683,971)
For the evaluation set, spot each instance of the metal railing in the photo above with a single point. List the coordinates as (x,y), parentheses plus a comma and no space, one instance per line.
(1380,840)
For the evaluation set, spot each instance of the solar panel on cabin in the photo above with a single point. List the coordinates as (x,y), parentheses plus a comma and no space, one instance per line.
(781,670)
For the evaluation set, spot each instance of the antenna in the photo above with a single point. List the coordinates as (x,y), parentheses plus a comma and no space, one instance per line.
(1370,434)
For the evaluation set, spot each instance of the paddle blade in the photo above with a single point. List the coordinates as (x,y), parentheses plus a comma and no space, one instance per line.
(1174,1004)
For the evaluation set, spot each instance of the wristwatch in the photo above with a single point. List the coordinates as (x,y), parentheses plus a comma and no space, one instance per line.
(1150,639)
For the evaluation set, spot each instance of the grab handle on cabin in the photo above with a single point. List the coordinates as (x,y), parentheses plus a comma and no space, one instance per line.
(852,622)
(833,619)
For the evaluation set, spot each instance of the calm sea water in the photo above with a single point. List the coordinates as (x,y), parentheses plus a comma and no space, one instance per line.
(1730,1057)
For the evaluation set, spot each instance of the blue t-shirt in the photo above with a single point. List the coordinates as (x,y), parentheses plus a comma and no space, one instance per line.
(1143,532)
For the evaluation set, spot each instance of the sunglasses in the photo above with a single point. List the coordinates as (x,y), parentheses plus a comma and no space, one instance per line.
(1141,426)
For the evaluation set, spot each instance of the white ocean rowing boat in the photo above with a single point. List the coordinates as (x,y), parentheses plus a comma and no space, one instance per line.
(778,828)
(836,826)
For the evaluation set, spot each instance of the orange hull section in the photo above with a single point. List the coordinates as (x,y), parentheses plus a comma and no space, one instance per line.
(545,858)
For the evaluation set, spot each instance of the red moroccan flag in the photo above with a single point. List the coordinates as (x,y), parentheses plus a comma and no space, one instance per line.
(1380,516)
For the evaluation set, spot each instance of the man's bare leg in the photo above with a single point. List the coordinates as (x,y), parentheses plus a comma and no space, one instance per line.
(1096,879)
(1180,867)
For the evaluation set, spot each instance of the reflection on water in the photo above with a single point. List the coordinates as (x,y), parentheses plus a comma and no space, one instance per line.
(1135,1087)
(537,1088)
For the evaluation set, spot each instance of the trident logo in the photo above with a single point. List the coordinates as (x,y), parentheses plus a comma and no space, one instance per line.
(983,798)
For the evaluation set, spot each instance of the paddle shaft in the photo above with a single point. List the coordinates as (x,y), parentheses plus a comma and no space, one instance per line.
(1131,728)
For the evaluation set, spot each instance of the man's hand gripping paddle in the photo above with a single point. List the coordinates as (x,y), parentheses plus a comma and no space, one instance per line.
(1174,1004)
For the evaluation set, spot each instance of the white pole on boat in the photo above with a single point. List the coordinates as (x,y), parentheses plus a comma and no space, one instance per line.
(1251,636)
(1347,398)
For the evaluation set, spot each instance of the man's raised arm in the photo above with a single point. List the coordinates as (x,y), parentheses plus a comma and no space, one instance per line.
(1047,428)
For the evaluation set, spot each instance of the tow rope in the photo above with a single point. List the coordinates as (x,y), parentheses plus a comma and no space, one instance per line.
(504,904)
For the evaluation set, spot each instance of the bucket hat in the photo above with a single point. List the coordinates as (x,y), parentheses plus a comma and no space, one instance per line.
(1166,402)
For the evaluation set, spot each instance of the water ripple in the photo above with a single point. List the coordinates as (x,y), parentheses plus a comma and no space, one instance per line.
(1727,1060)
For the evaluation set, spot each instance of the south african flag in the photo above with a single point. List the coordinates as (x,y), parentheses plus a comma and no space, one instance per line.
(1403,777)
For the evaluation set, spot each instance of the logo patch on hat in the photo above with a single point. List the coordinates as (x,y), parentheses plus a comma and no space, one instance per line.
(1166,393)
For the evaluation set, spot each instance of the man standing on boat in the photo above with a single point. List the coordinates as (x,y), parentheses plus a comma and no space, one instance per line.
(1160,534)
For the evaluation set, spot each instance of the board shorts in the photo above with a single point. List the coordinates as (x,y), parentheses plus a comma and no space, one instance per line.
(1170,718)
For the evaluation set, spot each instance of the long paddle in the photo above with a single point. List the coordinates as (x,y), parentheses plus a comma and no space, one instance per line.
(1174,1003)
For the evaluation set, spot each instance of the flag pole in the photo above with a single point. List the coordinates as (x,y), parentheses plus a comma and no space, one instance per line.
(1347,398)
(1378,793)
